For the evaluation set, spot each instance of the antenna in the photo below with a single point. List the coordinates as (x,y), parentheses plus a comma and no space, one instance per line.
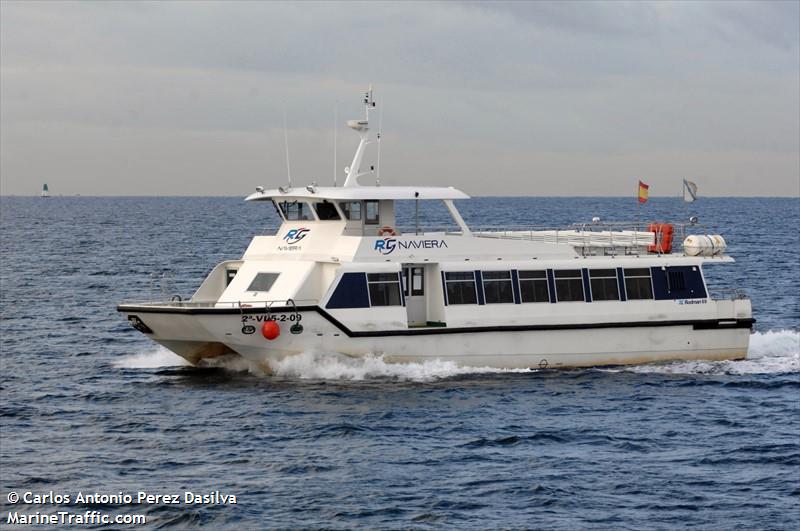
(335,122)
(380,130)
(286,142)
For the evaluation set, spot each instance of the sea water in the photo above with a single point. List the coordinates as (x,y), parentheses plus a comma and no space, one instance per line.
(89,405)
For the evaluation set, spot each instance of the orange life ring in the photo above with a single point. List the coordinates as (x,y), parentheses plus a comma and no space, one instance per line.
(663,232)
(386,230)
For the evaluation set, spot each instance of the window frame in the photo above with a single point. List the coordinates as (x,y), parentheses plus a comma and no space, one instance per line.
(271,284)
(509,280)
(383,281)
(533,281)
(447,282)
(297,202)
(377,220)
(332,205)
(347,211)
(414,292)
(608,276)
(637,277)
(556,278)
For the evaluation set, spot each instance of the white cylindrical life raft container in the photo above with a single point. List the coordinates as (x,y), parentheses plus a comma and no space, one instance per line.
(704,244)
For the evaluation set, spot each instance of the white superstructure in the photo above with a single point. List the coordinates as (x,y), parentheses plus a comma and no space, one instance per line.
(340,275)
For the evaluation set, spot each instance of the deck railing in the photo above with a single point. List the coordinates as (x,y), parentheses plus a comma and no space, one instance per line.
(176,302)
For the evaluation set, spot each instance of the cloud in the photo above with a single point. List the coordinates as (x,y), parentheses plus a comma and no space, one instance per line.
(589,84)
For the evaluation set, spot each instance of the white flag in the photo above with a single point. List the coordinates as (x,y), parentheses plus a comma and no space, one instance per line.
(691,188)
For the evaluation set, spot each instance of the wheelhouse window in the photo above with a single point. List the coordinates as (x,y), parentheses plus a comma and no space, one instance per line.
(461,287)
(326,211)
(533,286)
(569,285)
(352,210)
(497,287)
(296,210)
(384,289)
(638,285)
(263,282)
(372,212)
(604,284)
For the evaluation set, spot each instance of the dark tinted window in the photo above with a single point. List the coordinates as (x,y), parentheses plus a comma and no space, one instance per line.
(384,289)
(326,211)
(497,287)
(569,285)
(604,284)
(461,287)
(263,282)
(637,284)
(533,286)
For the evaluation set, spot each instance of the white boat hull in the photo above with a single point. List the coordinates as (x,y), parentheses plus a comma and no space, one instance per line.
(207,335)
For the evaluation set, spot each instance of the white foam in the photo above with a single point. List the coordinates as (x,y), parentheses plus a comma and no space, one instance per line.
(335,366)
(234,363)
(151,359)
(772,352)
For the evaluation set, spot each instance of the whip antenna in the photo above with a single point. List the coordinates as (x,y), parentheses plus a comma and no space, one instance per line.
(286,143)
(335,122)
(380,133)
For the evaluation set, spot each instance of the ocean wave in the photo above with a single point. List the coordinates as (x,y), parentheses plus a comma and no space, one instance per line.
(771,352)
(335,366)
(151,359)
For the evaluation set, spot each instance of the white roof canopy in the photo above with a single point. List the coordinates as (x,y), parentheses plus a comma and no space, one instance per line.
(359,193)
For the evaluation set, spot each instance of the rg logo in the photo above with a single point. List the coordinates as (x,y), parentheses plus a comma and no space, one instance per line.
(295,235)
(386,245)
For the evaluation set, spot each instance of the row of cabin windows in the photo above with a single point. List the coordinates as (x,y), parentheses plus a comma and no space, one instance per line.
(498,286)
(302,211)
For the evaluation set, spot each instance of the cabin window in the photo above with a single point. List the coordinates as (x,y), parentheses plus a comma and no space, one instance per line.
(263,282)
(461,287)
(533,286)
(637,284)
(497,287)
(384,289)
(296,210)
(326,211)
(372,212)
(604,284)
(569,285)
(352,210)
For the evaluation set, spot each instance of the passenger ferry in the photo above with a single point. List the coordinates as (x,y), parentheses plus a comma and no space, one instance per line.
(341,276)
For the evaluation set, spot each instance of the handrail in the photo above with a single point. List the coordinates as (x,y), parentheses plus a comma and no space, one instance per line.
(225,304)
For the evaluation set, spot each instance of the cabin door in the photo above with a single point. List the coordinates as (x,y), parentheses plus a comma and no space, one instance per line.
(414,292)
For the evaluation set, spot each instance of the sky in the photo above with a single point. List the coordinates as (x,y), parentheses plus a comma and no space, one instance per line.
(540,99)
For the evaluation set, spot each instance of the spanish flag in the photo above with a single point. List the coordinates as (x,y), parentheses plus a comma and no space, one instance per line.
(643,188)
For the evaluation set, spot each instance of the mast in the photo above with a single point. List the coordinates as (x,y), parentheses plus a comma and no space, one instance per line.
(362,128)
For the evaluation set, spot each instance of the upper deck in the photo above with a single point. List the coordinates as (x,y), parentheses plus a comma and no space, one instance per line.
(319,216)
